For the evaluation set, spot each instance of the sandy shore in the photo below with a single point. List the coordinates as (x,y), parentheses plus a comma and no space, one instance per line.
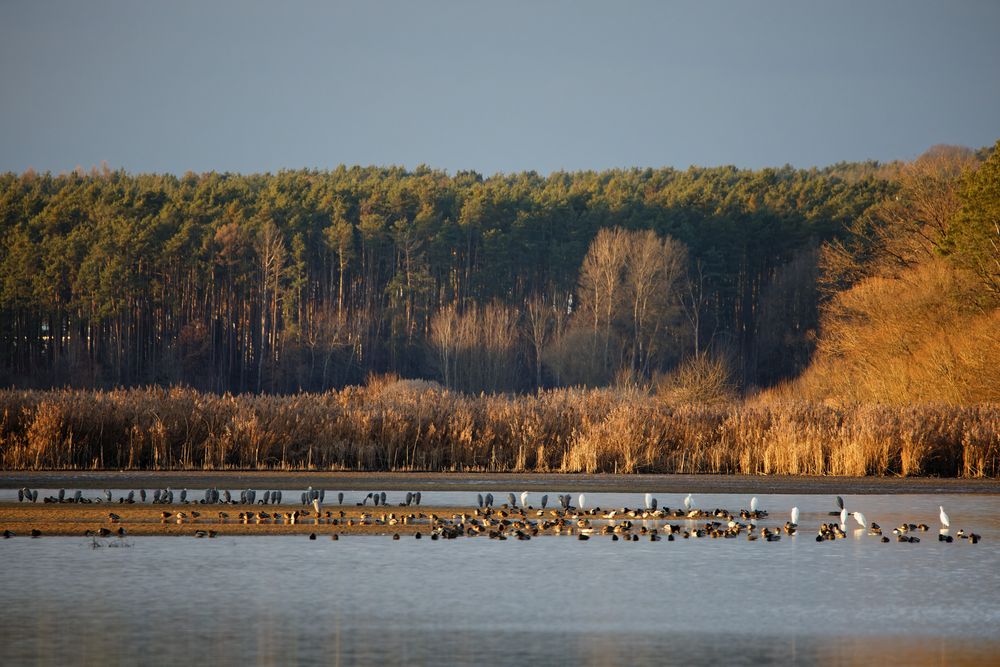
(72,519)
(419,481)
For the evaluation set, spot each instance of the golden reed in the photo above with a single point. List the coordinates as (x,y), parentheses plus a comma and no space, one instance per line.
(415,425)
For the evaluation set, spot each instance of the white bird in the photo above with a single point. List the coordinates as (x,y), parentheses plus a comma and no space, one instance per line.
(316,507)
(649,500)
(945,521)
(860,518)
(524,499)
(795,515)
(843,519)
(580,501)
(688,502)
(753,504)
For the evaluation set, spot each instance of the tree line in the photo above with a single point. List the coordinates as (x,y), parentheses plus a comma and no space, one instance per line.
(311,280)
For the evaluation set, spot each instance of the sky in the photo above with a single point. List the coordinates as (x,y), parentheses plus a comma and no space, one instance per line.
(248,86)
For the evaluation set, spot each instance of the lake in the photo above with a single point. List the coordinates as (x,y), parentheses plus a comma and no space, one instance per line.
(551,600)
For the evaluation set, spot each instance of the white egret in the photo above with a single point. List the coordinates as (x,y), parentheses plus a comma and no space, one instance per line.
(649,501)
(843,519)
(753,504)
(689,502)
(860,518)
(524,499)
(945,521)
(795,515)
(581,501)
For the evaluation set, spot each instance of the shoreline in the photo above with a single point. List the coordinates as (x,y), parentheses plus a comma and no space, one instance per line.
(463,481)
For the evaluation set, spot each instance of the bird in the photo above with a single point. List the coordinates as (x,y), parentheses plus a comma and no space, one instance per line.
(840,502)
(107,495)
(316,507)
(479,499)
(860,518)
(382,497)
(409,497)
(689,502)
(416,497)
(226,496)
(795,515)
(340,498)
(945,521)
(753,504)
(142,495)
(78,496)
(267,497)
(649,501)
(62,494)
(488,500)
(843,519)
(545,500)
(581,501)
(511,500)
(524,499)
(20,495)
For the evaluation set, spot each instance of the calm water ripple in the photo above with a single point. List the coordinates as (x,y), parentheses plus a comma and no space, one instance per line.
(551,600)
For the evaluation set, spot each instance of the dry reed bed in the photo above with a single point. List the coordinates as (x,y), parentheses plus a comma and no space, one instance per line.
(412,425)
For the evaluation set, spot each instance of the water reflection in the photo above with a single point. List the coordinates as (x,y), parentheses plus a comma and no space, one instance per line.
(371,600)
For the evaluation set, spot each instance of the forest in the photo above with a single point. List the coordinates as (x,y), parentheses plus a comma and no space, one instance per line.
(843,320)
(306,281)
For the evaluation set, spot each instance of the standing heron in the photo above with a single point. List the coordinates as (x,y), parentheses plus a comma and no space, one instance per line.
(267,497)
(416,497)
(184,495)
(581,501)
(689,502)
(107,495)
(20,495)
(753,504)
(142,495)
(316,506)
(62,494)
(545,500)
(409,498)
(340,498)
(382,496)
(511,500)
(843,519)
(479,500)
(524,499)
(945,521)
(862,521)
(795,516)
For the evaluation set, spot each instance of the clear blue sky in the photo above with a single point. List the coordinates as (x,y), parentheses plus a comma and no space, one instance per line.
(491,86)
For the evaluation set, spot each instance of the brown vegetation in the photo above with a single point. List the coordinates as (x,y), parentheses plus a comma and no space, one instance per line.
(410,425)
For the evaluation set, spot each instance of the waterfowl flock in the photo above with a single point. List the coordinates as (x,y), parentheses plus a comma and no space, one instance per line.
(517,518)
